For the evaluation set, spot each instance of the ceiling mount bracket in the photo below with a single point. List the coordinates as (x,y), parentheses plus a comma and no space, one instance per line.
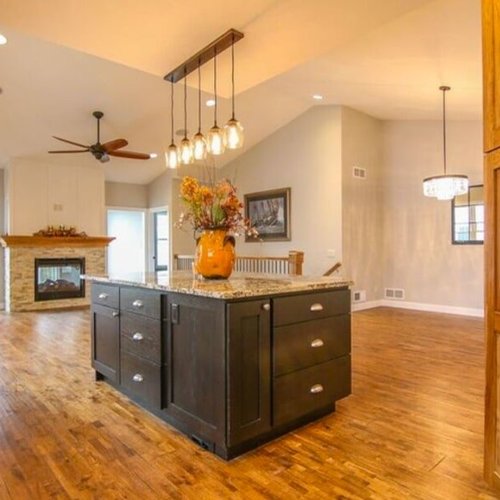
(204,55)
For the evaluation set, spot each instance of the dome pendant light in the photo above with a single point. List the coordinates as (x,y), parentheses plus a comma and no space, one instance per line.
(233,131)
(447,186)
(172,151)
(199,141)
(216,139)
(186,149)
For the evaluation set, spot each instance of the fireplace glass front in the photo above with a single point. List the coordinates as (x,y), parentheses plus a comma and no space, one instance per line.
(59,278)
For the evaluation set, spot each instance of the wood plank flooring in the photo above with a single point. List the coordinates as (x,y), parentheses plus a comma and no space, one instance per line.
(413,427)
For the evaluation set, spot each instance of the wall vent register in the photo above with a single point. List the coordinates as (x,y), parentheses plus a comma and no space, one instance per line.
(394,293)
(59,278)
(359,172)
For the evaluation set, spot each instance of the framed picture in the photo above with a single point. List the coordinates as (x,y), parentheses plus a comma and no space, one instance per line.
(269,212)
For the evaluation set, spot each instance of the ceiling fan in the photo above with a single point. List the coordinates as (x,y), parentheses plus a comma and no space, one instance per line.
(102,152)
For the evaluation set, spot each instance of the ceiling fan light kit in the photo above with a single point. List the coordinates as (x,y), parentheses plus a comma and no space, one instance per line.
(217,138)
(446,186)
(102,152)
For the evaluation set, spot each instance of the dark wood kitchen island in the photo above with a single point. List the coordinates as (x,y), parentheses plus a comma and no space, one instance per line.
(231,363)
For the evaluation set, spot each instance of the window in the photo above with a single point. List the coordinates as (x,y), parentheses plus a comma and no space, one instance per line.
(467,217)
(160,228)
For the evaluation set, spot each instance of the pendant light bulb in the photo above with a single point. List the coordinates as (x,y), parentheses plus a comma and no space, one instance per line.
(233,130)
(186,147)
(199,141)
(172,154)
(216,138)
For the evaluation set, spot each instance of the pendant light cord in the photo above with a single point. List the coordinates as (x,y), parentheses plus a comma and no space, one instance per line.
(172,111)
(232,75)
(185,103)
(199,97)
(215,86)
(444,129)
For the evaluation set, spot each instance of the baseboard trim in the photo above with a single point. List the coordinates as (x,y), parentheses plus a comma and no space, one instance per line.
(419,306)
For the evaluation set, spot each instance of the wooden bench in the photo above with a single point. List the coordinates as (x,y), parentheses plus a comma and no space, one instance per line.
(290,264)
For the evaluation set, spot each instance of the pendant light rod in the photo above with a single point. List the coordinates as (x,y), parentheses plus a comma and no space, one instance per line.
(232,78)
(171,112)
(222,43)
(199,100)
(444,89)
(185,108)
(215,86)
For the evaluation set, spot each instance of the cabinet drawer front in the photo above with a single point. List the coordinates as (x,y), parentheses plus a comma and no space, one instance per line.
(142,378)
(305,344)
(310,306)
(141,336)
(310,389)
(140,301)
(105,295)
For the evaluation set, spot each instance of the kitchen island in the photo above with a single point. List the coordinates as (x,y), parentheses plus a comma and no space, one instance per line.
(231,363)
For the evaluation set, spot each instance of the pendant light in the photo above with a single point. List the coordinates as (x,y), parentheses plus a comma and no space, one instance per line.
(216,139)
(447,186)
(199,141)
(172,151)
(233,131)
(186,149)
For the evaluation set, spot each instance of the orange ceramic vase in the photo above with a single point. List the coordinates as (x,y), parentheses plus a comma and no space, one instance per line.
(215,254)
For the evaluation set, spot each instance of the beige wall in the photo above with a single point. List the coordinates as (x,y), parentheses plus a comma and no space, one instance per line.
(2,231)
(304,155)
(120,194)
(417,249)
(362,222)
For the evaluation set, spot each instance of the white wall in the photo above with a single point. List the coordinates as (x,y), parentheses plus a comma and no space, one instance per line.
(304,155)
(2,231)
(362,215)
(417,249)
(43,194)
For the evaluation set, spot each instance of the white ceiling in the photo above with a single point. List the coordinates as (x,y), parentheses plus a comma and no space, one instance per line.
(67,58)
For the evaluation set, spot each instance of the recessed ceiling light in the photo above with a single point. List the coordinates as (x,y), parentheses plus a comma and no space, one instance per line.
(3,39)
(153,155)
(210,103)
(317,97)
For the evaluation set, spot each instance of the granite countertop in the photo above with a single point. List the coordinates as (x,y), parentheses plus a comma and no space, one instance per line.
(238,285)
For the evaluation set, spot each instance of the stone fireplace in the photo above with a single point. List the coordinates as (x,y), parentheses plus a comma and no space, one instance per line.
(44,272)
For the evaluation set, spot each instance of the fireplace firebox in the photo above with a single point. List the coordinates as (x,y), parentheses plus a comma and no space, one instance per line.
(59,278)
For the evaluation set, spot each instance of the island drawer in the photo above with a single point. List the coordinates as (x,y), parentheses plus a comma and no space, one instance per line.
(308,343)
(141,301)
(141,336)
(142,378)
(297,308)
(105,295)
(310,389)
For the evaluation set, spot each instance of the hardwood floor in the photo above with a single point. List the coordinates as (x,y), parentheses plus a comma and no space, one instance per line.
(413,427)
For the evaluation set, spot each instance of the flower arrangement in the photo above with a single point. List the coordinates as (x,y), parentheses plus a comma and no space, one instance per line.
(213,206)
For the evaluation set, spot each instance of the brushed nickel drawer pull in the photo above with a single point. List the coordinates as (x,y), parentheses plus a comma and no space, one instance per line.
(316,389)
(137,336)
(115,314)
(316,307)
(137,377)
(137,303)
(266,307)
(103,296)
(317,343)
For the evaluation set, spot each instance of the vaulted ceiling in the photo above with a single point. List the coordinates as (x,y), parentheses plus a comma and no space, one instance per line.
(67,58)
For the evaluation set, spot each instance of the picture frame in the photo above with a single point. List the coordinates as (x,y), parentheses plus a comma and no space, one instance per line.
(269,212)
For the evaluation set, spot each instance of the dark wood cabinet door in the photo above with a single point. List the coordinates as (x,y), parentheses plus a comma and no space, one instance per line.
(249,370)
(105,341)
(196,366)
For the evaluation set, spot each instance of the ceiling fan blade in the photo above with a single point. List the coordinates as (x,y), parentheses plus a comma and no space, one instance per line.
(70,142)
(72,151)
(116,144)
(130,154)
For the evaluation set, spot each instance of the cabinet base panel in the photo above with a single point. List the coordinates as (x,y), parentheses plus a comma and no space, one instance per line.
(226,453)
